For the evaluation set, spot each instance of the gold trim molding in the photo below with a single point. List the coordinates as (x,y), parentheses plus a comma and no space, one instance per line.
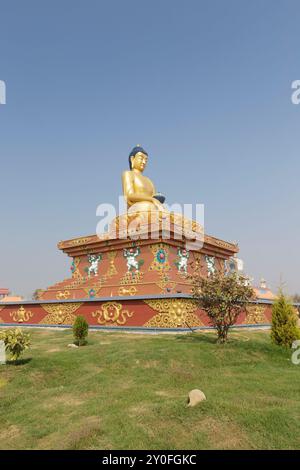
(173,313)
(63,295)
(255,315)
(111,312)
(131,290)
(21,315)
(60,314)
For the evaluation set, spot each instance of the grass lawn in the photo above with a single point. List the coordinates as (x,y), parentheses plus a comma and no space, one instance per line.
(129,391)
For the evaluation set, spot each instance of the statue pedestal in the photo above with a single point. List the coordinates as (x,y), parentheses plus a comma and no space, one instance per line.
(112,266)
(122,283)
(118,281)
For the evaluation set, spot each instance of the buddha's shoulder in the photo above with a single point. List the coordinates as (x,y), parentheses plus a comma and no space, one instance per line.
(128,174)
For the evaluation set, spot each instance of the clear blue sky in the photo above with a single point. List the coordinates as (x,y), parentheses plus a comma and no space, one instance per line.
(204,86)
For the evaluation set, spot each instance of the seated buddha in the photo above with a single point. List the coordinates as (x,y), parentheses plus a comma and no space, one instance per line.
(139,191)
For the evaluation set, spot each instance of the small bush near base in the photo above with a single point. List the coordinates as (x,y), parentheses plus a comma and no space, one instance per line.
(284,322)
(15,341)
(80,330)
(223,297)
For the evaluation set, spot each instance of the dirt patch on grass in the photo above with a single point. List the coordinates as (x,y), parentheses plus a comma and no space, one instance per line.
(94,369)
(275,401)
(63,399)
(224,435)
(9,437)
(126,336)
(43,331)
(140,409)
(165,393)
(181,371)
(88,428)
(76,437)
(38,377)
(52,441)
(150,364)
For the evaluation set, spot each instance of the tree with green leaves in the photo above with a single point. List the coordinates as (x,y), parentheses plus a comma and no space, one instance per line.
(80,330)
(223,297)
(15,341)
(284,322)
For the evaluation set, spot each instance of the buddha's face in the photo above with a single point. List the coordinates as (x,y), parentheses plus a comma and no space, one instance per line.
(139,161)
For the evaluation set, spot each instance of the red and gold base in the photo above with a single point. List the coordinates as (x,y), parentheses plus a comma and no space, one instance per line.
(169,311)
(120,282)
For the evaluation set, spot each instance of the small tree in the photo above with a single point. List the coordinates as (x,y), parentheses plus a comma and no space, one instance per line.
(284,322)
(80,330)
(15,341)
(223,297)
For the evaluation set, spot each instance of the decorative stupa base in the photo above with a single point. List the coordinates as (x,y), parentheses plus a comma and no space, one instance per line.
(161,312)
(120,282)
(159,262)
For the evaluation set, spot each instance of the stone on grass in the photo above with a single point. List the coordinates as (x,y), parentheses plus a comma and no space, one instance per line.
(72,345)
(195,397)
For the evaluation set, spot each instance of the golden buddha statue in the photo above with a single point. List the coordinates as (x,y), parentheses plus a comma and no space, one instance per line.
(139,191)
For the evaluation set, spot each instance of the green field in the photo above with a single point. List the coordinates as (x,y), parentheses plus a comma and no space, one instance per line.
(129,391)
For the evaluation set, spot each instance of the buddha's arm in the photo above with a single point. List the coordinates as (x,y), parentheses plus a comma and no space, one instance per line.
(129,191)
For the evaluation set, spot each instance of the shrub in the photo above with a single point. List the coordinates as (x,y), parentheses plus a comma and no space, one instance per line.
(284,322)
(80,330)
(16,341)
(223,297)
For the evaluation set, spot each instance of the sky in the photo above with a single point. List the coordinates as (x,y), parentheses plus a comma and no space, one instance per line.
(204,86)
